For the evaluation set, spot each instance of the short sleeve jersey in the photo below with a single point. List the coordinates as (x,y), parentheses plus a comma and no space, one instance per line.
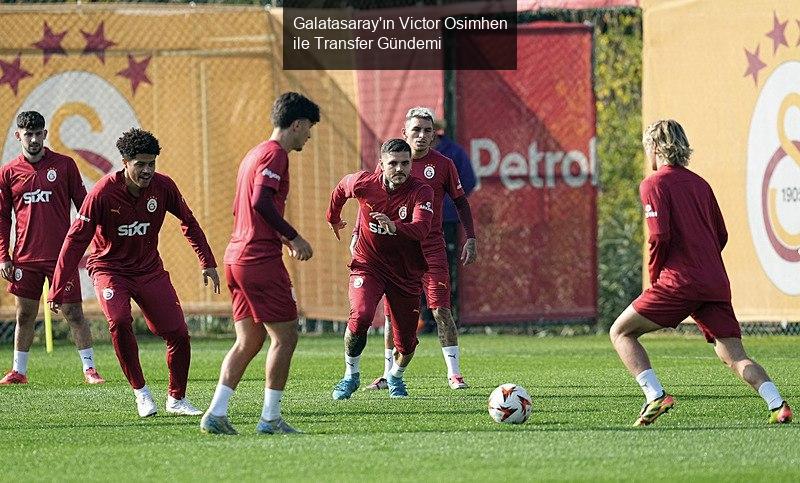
(253,240)
(40,196)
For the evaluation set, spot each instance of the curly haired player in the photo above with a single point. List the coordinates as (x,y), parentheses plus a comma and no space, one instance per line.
(122,217)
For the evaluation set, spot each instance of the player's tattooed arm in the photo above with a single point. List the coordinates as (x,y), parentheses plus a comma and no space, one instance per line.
(211,273)
(470,251)
(384,221)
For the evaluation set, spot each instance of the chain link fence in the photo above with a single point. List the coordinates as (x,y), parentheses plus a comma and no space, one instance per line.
(203,80)
(205,87)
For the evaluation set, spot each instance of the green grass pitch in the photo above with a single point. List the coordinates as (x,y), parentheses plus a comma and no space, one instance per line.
(584,403)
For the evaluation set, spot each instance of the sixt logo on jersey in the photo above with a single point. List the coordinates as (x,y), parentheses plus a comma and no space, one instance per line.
(134,229)
(649,212)
(376,228)
(270,174)
(426,206)
(38,196)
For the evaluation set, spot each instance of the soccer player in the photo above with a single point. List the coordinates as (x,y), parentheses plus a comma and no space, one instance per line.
(451,224)
(122,217)
(38,187)
(687,275)
(388,259)
(263,299)
(440,174)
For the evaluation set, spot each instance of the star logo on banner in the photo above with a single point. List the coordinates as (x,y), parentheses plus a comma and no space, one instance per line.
(97,43)
(136,72)
(50,44)
(13,73)
(754,64)
(778,33)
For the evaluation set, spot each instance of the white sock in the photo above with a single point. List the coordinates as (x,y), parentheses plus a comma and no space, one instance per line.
(219,403)
(21,362)
(388,360)
(87,358)
(352,365)
(452,355)
(771,396)
(397,371)
(143,391)
(272,404)
(650,386)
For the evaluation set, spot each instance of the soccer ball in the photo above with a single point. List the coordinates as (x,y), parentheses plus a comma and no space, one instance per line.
(510,403)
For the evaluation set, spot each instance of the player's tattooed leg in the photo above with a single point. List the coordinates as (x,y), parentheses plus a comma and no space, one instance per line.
(446,325)
(354,344)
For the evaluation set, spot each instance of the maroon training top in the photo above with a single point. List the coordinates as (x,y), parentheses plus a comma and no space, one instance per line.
(123,230)
(39,195)
(440,173)
(397,256)
(687,235)
(253,239)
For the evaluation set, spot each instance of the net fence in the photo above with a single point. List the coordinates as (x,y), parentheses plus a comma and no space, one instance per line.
(203,80)
(202,77)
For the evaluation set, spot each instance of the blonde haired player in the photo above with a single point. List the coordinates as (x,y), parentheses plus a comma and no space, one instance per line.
(687,275)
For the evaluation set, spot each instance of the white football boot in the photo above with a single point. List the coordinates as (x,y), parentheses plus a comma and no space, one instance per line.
(182,407)
(145,404)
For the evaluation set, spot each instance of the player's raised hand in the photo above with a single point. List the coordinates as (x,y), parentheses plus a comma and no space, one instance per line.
(470,251)
(7,270)
(300,248)
(54,306)
(211,273)
(384,221)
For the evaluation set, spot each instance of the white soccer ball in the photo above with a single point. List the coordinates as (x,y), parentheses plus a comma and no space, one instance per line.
(510,403)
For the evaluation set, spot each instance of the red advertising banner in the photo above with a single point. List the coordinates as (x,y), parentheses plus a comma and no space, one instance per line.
(531,136)
(384,98)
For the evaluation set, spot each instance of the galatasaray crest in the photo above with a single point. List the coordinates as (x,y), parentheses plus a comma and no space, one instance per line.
(773,158)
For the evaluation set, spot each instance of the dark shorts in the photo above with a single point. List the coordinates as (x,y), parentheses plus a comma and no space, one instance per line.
(29,282)
(262,291)
(365,291)
(715,320)
(153,293)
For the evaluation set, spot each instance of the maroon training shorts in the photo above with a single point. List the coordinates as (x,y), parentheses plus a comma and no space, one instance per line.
(29,281)
(262,291)
(715,320)
(365,291)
